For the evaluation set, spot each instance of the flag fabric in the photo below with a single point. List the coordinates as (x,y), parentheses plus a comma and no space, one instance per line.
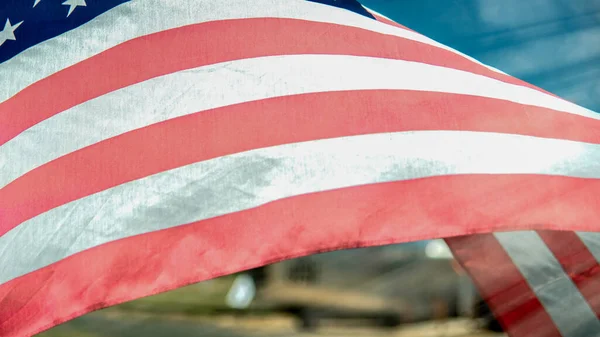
(542,283)
(150,144)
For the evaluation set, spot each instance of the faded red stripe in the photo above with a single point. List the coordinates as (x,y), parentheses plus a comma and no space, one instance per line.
(502,286)
(367,215)
(578,262)
(202,44)
(163,146)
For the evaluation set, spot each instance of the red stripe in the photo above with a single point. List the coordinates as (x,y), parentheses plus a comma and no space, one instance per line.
(202,44)
(516,81)
(389,22)
(500,283)
(157,148)
(367,215)
(578,262)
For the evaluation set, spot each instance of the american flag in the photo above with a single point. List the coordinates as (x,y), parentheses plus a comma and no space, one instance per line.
(150,144)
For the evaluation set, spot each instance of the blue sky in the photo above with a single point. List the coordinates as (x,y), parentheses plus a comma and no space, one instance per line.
(554,44)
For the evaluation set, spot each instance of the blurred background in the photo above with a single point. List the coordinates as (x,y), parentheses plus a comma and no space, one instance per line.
(413,289)
(554,44)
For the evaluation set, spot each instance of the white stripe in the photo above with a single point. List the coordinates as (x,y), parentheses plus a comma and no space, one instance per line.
(245,180)
(234,82)
(592,242)
(555,290)
(143,17)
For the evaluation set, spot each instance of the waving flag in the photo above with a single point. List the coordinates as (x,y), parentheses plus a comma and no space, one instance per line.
(150,144)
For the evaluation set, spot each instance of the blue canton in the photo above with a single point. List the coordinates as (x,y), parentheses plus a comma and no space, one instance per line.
(25,23)
(351,5)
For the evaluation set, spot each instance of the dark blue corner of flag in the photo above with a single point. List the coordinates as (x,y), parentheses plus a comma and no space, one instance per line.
(351,5)
(40,20)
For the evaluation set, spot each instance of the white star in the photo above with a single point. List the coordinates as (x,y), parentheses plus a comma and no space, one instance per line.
(36,2)
(74,4)
(8,33)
